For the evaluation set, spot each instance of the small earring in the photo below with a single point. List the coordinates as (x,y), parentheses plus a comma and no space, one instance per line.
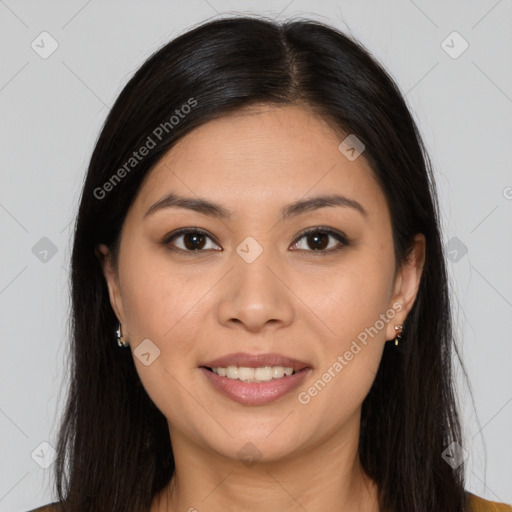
(398,330)
(119,335)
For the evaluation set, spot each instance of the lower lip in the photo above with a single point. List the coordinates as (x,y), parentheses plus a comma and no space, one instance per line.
(255,393)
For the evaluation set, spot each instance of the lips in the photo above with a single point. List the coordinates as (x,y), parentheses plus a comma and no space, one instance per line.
(255,393)
(255,361)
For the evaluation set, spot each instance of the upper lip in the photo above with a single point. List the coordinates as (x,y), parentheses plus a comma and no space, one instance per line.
(255,361)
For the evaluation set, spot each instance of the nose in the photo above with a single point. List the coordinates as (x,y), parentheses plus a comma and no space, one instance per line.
(256,295)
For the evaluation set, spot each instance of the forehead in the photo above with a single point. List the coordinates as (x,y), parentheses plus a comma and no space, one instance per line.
(263,153)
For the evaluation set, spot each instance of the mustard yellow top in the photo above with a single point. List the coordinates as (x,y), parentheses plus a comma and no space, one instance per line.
(476,504)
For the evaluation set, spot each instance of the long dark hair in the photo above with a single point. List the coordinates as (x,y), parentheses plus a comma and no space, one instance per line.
(114,451)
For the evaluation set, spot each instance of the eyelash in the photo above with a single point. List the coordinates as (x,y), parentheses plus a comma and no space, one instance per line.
(341,237)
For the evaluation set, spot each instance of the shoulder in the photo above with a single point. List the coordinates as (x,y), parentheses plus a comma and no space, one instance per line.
(477,504)
(51,507)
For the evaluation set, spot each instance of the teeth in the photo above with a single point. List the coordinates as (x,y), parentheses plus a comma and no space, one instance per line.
(260,374)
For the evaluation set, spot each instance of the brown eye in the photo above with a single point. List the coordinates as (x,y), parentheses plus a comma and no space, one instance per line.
(318,240)
(193,240)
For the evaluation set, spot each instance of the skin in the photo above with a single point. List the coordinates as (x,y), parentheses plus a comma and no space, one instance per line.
(292,300)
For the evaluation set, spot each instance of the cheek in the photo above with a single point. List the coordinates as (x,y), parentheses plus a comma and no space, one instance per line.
(353,299)
(354,304)
(158,297)
(162,304)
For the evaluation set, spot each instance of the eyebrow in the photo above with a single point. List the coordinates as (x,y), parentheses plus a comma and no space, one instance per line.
(213,209)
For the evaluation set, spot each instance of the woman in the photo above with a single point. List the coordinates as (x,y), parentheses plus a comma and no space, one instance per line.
(259,230)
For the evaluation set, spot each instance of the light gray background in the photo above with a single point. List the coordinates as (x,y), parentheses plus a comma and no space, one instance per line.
(52,109)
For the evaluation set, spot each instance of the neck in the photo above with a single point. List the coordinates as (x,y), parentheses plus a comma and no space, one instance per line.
(325,476)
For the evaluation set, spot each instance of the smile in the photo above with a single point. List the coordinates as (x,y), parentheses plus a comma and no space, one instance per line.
(253,391)
(259,374)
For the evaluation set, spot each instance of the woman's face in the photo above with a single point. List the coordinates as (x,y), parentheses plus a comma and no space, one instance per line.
(257,285)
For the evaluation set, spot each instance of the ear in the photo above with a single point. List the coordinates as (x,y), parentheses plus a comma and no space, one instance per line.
(407,282)
(109,271)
